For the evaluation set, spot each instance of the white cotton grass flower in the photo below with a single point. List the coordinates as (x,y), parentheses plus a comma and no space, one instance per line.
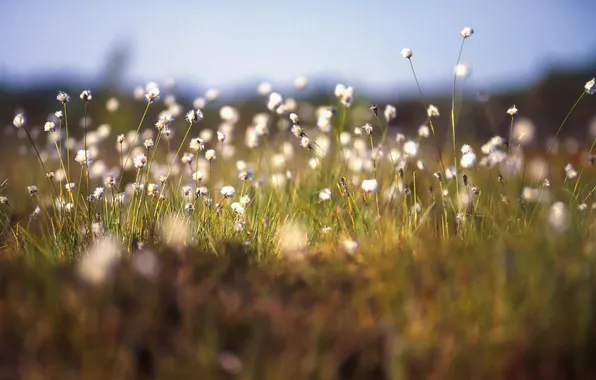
(468,160)
(83,157)
(32,190)
(557,217)
(63,97)
(151,92)
(325,195)
(274,101)
(292,240)
(237,208)
(345,94)
(212,94)
(590,87)
(175,231)
(411,148)
(99,261)
(570,172)
(450,172)
(369,185)
(512,111)
(390,113)
(210,155)
(424,131)
(194,116)
(49,126)
(350,246)
(19,120)
(406,53)
(229,114)
(300,82)
(367,128)
(264,88)
(537,169)
(197,144)
(112,105)
(86,95)
(140,161)
(432,111)
(462,70)
(228,191)
(467,32)
(523,131)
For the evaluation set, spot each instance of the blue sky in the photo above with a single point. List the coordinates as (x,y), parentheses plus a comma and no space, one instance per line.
(230,42)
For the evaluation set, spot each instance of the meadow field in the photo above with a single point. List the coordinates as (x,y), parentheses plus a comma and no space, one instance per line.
(142,237)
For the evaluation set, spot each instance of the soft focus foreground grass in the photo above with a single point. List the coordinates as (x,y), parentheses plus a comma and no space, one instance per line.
(515,308)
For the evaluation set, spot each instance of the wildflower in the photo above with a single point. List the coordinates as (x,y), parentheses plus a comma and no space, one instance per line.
(300,82)
(239,225)
(367,128)
(212,94)
(69,186)
(202,191)
(59,114)
(590,86)
(98,263)
(406,53)
(369,185)
(152,189)
(275,100)
(19,120)
(297,131)
(237,208)
(189,207)
(264,88)
(221,137)
(411,148)
(450,172)
(140,161)
(345,94)
(294,118)
(83,157)
(186,190)
(197,144)
(245,200)
(423,131)
(228,191)
(198,176)
(390,112)
(86,95)
(63,97)
(468,160)
(194,116)
(570,172)
(187,158)
(432,111)
(557,218)
(245,175)
(148,143)
(512,111)
(292,238)
(109,180)
(350,246)
(152,92)
(325,194)
(467,32)
(375,109)
(32,190)
(210,155)
(3,200)
(49,126)
(305,142)
(98,193)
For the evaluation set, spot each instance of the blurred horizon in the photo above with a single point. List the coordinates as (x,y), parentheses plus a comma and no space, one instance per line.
(231,44)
